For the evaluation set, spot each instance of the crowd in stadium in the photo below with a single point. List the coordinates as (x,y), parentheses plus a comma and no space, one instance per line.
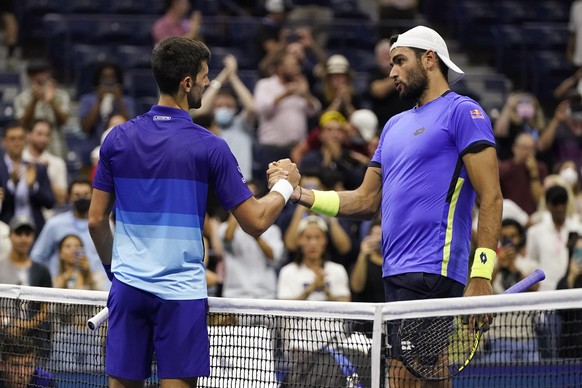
(299,97)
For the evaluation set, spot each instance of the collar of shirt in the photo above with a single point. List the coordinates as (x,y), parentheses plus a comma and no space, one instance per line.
(166,113)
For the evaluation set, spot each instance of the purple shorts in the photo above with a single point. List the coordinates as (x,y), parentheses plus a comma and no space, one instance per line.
(140,322)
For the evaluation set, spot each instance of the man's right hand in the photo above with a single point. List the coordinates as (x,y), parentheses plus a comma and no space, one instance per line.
(293,172)
(283,169)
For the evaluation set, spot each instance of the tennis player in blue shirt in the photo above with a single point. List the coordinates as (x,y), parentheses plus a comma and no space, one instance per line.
(430,165)
(157,169)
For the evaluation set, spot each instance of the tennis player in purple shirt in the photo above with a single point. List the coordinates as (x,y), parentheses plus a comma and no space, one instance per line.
(157,170)
(431,163)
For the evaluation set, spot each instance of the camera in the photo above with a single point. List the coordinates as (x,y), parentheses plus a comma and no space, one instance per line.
(507,242)
(293,37)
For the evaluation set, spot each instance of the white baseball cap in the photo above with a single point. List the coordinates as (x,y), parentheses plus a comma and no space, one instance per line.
(316,221)
(428,39)
(366,122)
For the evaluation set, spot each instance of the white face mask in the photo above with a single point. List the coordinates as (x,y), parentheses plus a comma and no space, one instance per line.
(224,116)
(570,176)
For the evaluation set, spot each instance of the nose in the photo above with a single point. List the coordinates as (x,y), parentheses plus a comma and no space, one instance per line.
(393,72)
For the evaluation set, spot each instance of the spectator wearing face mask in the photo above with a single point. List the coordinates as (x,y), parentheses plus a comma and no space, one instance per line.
(521,113)
(75,221)
(521,176)
(234,126)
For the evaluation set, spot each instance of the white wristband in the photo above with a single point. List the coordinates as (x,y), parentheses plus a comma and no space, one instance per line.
(284,188)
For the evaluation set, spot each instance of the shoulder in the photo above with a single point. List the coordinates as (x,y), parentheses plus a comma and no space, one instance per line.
(331,266)
(210,140)
(465,105)
(58,219)
(289,269)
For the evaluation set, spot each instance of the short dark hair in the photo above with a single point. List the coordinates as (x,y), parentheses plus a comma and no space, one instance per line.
(12,125)
(515,224)
(556,195)
(38,121)
(79,181)
(38,66)
(175,58)
(104,65)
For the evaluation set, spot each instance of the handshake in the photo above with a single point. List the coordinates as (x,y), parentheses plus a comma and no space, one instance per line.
(287,170)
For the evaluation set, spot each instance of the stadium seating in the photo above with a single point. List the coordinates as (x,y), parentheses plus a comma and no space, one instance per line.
(141,83)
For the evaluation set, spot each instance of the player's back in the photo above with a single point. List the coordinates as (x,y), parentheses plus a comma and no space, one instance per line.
(159,165)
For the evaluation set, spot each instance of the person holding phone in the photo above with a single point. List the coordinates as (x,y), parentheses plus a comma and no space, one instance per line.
(283,103)
(74,269)
(512,263)
(366,276)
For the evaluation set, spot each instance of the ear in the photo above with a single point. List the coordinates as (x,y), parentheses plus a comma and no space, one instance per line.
(187,84)
(430,59)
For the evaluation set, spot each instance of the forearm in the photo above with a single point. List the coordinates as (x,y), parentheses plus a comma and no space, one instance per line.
(290,237)
(256,216)
(28,115)
(102,237)
(501,127)
(564,88)
(547,136)
(88,122)
(489,222)
(340,239)
(353,204)
(358,278)
(209,95)
(244,95)
(536,188)
(123,108)
(266,249)
(382,87)
(229,233)
(59,114)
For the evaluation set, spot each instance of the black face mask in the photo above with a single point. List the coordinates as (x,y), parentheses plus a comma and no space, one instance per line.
(82,205)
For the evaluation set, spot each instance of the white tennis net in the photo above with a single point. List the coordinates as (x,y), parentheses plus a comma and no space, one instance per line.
(535,341)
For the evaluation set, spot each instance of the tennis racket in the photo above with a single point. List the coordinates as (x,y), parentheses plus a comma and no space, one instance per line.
(99,319)
(440,348)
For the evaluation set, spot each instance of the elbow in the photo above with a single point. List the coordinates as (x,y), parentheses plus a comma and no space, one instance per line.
(495,200)
(255,229)
(95,222)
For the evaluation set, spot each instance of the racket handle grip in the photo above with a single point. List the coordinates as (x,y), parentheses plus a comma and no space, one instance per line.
(537,276)
(98,320)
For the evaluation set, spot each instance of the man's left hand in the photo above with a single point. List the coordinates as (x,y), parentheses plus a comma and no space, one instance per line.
(478,287)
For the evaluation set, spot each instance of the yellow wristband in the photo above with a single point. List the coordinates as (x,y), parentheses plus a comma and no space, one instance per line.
(326,203)
(483,263)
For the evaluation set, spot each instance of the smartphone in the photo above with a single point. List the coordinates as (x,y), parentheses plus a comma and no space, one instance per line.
(506,242)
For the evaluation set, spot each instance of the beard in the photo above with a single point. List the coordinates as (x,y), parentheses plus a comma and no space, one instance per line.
(194,100)
(417,84)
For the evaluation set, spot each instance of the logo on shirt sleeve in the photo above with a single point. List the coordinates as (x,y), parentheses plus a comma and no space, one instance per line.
(476,114)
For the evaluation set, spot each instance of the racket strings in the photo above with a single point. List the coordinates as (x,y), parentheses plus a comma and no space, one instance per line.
(436,348)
